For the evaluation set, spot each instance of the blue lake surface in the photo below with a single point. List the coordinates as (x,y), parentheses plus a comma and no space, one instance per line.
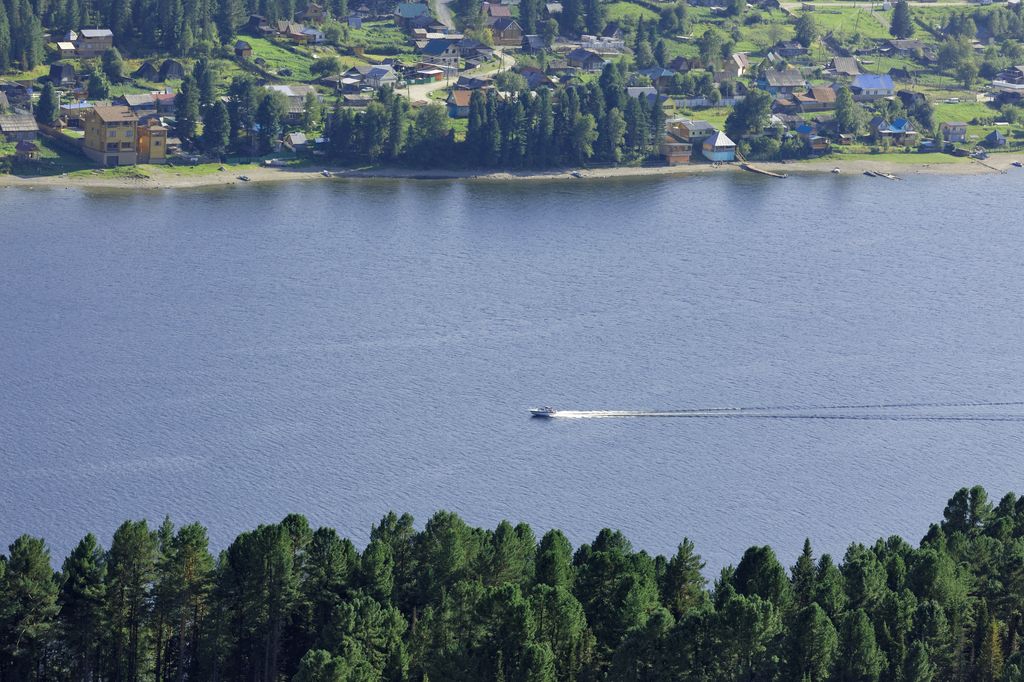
(342,348)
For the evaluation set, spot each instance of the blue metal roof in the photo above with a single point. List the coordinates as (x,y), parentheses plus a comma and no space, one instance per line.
(870,81)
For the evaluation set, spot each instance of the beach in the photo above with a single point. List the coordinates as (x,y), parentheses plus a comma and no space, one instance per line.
(164,177)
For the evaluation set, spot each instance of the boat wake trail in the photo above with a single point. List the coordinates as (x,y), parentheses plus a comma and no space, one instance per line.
(918,411)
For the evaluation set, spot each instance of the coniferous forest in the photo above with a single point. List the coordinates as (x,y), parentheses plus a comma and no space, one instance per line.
(452,602)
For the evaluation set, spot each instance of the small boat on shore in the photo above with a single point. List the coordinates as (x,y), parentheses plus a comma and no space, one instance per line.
(1017,164)
(836,170)
(545,412)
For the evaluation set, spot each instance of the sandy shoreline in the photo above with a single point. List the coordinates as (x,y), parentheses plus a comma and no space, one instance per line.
(167,178)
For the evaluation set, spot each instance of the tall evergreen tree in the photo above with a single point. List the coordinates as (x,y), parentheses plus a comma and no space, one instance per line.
(216,129)
(131,569)
(186,109)
(28,610)
(902,23)
(48,109)
(81,599)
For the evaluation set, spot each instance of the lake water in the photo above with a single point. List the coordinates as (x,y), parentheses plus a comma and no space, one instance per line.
(342,348)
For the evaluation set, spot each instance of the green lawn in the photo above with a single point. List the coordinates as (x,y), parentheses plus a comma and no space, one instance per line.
(964,111)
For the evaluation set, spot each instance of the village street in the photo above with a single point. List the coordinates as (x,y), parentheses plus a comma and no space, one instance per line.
(416,93)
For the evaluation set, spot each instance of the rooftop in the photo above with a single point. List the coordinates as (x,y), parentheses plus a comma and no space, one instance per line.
(115,114)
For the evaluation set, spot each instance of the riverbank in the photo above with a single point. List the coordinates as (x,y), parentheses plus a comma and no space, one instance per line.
(163,177)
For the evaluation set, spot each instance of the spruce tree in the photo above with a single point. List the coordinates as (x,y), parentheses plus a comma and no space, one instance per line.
(902,22)
(113,65)
(186,109)
(47,110)
(216,129)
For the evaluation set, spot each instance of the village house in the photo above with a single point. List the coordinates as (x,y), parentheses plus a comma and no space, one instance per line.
(72,114)
(110,136)
(868,86)
(243,50)
(93,42)
(719,147)
(692,131)
(65,49)
(164,103)
(151,141)
(458,103)
(535,78)
(900,132)
(474,49)
(783,82)
(314,14)
(613,30)
(954,131)
(442,52)
(405,12)
(994,139)
(296,94)
(585,60)
(507,31)
(259,26)
(296,142)
(736,66)
(474,83)
(494,11)
(660,78)
(532,44)
(18,127)
(817,98)
(844,66)
(141,105)
(380,76)
(788,49)
(552,10)
(673,150)
(19,95)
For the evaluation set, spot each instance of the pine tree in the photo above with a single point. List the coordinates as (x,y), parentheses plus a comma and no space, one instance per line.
(397,121)
(48,109)
(81,597)
(131,569)
(806,29)
(849,114)
(28,608)
(205,80)
(529,14)
(554,556)
(990,655)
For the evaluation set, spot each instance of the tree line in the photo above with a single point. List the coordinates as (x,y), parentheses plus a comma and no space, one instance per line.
(140,27)
(452,602)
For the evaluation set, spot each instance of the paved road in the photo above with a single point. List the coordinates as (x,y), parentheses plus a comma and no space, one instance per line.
(416,93)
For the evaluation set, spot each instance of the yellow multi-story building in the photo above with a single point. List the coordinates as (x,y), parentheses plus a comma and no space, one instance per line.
(110,136)
(152,141)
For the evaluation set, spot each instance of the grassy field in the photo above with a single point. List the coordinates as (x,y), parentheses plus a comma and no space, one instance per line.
(380,38)
(617,11)
(851,21)
(278,58)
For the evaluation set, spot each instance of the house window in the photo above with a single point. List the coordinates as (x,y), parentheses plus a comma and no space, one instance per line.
(111,133)
(156,143)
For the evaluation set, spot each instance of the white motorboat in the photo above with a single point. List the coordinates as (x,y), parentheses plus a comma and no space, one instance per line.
(542,412)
